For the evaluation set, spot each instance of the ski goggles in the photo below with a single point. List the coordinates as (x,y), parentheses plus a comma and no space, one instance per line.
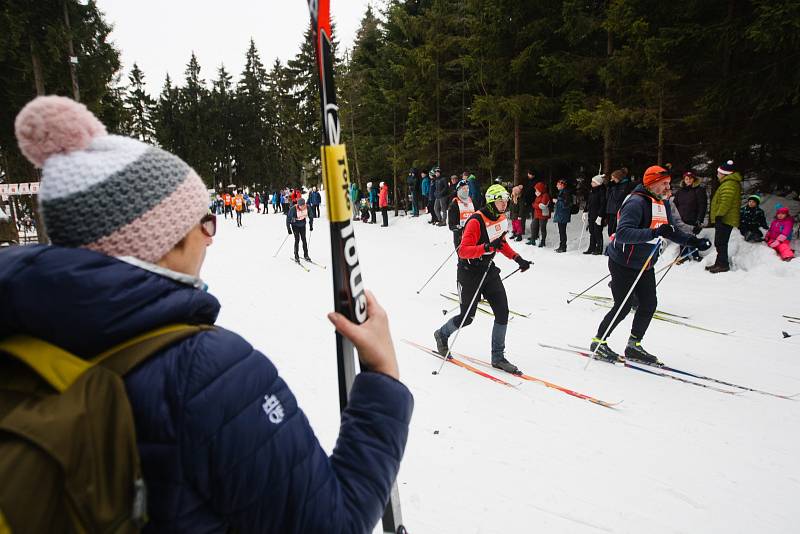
(208,224)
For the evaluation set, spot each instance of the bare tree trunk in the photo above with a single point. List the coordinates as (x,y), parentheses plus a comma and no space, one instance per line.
(394,159)
(438,120)
(661,127)
(517,178)
(38,75)
(463,116)
(76,94)
(353,133)
(607,131)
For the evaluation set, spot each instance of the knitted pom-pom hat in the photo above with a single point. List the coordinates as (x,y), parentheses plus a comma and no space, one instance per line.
(726,168)
(108,193)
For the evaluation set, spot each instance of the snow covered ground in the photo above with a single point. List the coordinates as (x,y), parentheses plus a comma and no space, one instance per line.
(484,458)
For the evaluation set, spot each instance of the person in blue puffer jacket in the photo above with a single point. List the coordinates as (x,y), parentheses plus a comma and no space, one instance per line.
(645,219)
(224,445)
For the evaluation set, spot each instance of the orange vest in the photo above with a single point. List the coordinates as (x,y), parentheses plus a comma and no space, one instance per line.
(239,202)
(227,199)
(465,211)
(494,229)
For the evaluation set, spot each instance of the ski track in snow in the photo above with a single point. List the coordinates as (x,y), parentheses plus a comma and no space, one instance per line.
(671,458)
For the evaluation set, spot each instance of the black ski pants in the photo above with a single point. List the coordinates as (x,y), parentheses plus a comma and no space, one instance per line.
(300,233)
(238,218)
(537,226)
(562,235)
(385,215)
(492,290)
(595,236)
(622,279)
(722,233)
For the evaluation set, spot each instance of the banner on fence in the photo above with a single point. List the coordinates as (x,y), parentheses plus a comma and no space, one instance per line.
(25,188)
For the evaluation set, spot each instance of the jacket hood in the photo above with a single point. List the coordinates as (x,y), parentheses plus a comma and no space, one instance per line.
(86,302)
(539,187)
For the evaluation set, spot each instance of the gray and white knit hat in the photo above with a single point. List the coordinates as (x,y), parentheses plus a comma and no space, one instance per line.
(108,193)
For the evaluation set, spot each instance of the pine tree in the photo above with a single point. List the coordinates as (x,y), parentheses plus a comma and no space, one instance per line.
(140,107)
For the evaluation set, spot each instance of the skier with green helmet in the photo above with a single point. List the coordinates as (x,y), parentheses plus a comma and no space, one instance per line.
(483,237)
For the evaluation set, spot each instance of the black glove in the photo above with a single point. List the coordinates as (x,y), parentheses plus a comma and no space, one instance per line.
(699,244)
(290,230)
(524,264)
(497,244)
(666,231)
(697,228)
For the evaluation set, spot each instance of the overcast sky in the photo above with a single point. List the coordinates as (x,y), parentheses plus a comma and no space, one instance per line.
(160,35)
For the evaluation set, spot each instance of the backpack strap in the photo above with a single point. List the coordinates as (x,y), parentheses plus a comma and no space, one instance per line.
(60,368)
(127,355)
(55,365)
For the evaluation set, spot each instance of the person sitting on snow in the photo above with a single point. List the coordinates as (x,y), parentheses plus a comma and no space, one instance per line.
(780,234)
(752,219)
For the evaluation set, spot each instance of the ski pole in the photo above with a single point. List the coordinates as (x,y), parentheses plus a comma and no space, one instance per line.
(437,270)
(451,310)
(622,304)
(511,274)
(348,285)
(280,247)
(464,318)
(681,255)
(569,301)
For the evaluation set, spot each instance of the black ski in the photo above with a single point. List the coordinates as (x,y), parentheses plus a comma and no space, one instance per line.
(306,269)
(349,298)
(314,263)
(629,365)
(706,378)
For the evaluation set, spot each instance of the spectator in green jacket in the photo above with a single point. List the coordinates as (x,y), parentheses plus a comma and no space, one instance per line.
(725,213)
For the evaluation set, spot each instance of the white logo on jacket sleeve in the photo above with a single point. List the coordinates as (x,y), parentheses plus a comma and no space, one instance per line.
(272,407)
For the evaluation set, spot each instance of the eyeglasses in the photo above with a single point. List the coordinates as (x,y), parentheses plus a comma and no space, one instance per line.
(208,224)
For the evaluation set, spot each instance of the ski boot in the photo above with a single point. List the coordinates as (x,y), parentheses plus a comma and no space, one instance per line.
(307,258)
(602,351)
(507,366)
(530,242)
(441,344)
(297,258)
(635,352)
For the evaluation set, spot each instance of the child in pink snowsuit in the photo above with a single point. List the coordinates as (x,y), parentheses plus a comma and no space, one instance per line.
(780,233)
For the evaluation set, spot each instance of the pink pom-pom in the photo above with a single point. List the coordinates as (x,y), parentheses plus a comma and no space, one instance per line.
(50,125)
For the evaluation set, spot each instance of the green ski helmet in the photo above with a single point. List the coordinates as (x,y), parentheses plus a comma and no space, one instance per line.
(496,192)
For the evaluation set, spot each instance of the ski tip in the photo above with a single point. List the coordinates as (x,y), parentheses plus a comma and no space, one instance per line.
(786,334)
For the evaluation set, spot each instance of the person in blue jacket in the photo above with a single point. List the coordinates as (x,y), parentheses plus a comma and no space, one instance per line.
(645,219)
(562,214)
(223,442)
(425,187)
(314,200)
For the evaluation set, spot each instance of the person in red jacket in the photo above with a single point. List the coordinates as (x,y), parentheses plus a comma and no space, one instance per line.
(484,236)
(383,203)
(541,213)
